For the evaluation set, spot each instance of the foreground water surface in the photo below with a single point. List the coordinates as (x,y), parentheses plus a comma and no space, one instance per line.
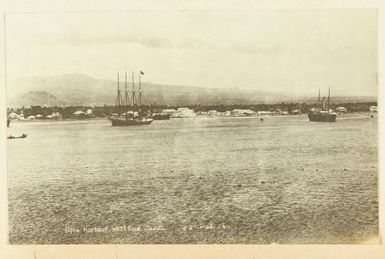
(201,180)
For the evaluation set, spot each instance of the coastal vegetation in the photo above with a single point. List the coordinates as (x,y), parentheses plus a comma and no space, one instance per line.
(82,112)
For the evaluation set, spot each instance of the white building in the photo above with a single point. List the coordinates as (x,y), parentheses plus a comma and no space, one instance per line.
(227,114)
(263,113)
(14,115)
(54,116)
(242,112)
(341,109)
(213,113)
(373,108)
(78,113)
(184,113)
(169,111)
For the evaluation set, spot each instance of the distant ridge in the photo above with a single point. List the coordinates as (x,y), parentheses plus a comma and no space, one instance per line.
(80,89)
(38,98)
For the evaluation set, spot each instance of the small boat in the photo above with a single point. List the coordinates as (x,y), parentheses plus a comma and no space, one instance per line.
(160,116)
(323,114)
(13,137)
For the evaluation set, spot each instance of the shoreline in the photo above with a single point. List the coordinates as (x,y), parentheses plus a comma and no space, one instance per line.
(340,116)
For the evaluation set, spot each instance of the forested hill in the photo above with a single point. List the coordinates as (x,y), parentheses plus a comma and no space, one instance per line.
(79,89)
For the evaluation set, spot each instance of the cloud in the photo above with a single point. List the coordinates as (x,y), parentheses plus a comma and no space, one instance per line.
(103,38)
(250,49)
(268,48)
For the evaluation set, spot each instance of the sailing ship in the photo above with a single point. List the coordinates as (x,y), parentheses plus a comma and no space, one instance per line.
(323,114)
(125,117)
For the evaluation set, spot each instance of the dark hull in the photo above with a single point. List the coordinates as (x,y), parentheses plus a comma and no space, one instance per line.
(161,116)
(13,137)
(322,117)
(129,122)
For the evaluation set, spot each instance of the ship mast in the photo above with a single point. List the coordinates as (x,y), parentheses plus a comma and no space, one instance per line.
(126,101)
(323,103)
(118,97)
(140,91)
(133,92)
(329,100)
(319,97)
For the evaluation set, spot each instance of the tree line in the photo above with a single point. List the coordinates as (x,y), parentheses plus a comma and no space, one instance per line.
(67,112)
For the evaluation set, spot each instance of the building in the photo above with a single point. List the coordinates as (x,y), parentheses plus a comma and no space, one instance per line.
(213,113)
(263,113)
(227,114)
(14,116)
(184,113)
(242,112)
(169,111)
(373,108)
(296,112)
(341,109)
(54,116)
(80,115)
(89,112)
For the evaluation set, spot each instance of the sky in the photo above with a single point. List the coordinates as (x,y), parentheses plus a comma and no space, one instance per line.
(288,51)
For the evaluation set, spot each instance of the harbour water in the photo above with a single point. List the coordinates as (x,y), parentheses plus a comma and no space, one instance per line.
(196,180)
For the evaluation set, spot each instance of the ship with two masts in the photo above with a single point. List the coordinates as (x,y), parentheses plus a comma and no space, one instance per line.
(322,113)
(129,107)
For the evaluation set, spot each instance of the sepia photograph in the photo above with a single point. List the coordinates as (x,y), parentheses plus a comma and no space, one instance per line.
(192,127)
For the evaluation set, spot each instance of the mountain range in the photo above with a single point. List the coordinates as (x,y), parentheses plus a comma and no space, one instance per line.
(80,89)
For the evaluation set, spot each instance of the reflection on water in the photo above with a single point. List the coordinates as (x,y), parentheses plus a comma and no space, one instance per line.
(202,180)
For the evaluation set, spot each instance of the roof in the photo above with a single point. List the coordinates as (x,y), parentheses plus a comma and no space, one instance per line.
(169,110)
(79,112)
